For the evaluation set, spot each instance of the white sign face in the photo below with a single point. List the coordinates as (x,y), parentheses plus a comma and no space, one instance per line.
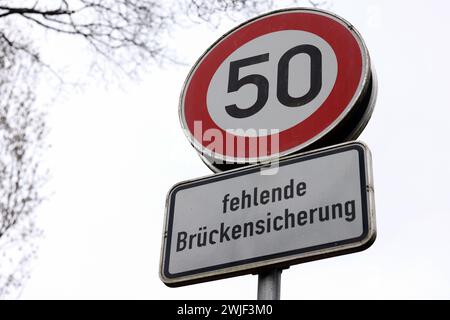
(318,204)
(274,114)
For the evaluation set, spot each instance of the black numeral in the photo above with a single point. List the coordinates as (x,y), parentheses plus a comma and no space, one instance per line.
(315,75)
(262,84)
(234,84)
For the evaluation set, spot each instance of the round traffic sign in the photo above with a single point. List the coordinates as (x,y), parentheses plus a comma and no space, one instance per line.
(277,84)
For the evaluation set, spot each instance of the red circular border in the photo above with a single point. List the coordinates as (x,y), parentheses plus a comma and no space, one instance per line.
(349,58)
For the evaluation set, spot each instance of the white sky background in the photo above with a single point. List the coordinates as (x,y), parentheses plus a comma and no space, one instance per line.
(116,153)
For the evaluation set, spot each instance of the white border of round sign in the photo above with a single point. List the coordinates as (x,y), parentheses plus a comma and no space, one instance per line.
(364,79)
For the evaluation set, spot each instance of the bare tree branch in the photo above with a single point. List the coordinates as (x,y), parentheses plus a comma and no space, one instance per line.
(22,137)
(127,32)
(10,10)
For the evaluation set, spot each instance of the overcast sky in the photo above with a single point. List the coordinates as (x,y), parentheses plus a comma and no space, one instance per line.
(116,153)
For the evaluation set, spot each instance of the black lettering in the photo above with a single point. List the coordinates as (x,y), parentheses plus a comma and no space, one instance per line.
(260,227)
(181,241)
(265,196)
(324,216)
(191,240)
(301,189)
(246,198)
(202,237)
(350,210)
(224,233)
(225,201)
(276,194)
(302,218)
(288,216)
(289,190)
(211,234)
(255,196)
(236,232)
(234,204)
(334,209)
(276,226)
(248,229)
(311,215)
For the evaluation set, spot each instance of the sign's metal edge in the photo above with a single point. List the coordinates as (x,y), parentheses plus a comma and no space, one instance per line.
(285,261)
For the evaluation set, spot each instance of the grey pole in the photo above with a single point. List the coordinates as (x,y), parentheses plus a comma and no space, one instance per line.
(269,283)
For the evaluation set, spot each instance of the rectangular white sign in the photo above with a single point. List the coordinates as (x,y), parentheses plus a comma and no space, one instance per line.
(317,205)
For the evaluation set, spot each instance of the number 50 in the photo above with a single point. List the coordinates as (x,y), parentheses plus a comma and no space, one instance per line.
(262,84)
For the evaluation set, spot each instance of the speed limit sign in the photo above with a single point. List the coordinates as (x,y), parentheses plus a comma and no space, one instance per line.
(280,83)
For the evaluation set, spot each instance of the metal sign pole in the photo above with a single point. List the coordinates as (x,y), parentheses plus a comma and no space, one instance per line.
(269,283)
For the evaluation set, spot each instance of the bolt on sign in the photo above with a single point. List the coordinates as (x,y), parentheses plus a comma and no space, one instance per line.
(281,83)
